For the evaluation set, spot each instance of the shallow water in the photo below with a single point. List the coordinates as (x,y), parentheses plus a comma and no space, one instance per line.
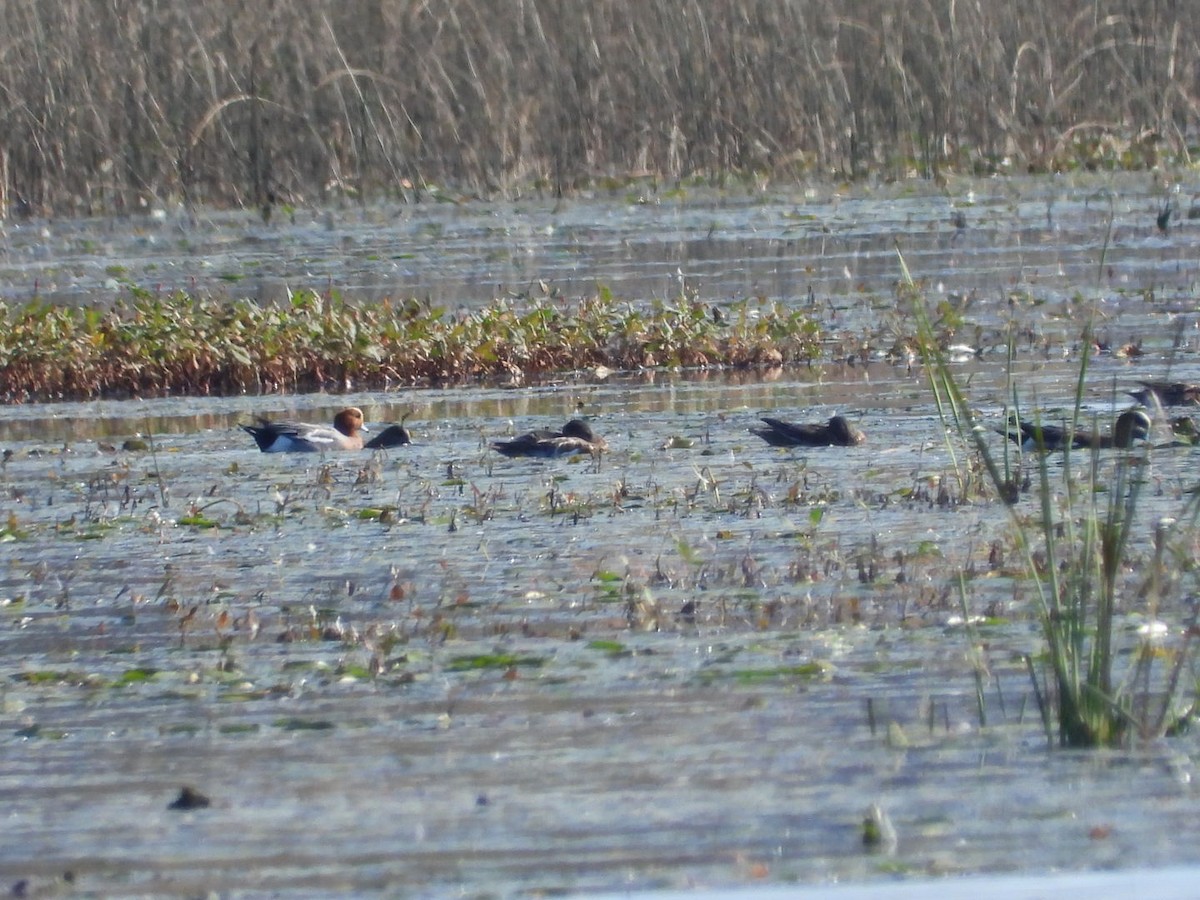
(1051,237)
(694,663)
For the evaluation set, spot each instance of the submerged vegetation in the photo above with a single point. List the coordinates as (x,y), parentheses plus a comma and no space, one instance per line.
(114,106)
(152,345)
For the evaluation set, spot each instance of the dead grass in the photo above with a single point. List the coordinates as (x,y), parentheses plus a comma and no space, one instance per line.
(109,107)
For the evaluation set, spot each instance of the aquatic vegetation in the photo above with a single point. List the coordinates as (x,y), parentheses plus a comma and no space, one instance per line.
(52,676)
(297,724)
(648,588)
(196,520)
(1079,550)
(136,676)
(12,530)
(609,648)
(802,671)
(494,661)
(37,732)
(151,345)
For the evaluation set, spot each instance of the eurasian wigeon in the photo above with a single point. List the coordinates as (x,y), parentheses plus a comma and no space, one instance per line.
(1167,393)
(1132,425)
(837,432)
(576,437)
(302,437)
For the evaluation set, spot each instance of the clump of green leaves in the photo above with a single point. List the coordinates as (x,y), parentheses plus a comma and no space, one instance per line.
(151,345)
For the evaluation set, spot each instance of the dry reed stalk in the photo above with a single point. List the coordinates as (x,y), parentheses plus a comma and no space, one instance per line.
(108,107)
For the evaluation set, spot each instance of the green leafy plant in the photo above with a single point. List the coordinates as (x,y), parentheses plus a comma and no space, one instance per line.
(149,344)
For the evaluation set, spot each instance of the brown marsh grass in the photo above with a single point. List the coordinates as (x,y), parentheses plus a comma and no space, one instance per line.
(108,106)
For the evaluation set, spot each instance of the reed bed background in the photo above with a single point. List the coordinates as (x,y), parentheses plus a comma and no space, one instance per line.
(108,105)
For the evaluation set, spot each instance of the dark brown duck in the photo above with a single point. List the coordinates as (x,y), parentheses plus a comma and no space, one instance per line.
(837,432)
(576,437)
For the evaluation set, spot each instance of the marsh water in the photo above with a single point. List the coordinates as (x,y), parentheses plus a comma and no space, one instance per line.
(695,661)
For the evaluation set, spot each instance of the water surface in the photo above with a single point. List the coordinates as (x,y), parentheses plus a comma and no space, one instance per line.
(695,662)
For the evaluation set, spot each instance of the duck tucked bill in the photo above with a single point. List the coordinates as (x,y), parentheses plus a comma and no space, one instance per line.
(837,432)
(576,437)
(1167,393)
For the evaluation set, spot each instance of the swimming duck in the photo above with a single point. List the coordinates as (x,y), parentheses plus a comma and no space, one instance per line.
(837,432)
(392,436)
(1167,393)
(395,435)
(302,437)
(1132,425)
(576,437)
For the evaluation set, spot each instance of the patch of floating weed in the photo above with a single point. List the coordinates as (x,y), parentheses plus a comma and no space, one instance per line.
(246,696)
(135,676)
(55,676)
(885,666)
(293,665)
(724,655)
(180,696)
(610,648)
(38,732)
(928,549)
(239,728)
(896,867)
(678,442)
(803,672)
(198,521)
(87,531)
(494,661)
(295,724)
(611,588)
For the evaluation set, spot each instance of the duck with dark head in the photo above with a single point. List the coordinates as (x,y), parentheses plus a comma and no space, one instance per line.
(395,435)
(1167,393)
(837,432)
(1131,426)
(575,437)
